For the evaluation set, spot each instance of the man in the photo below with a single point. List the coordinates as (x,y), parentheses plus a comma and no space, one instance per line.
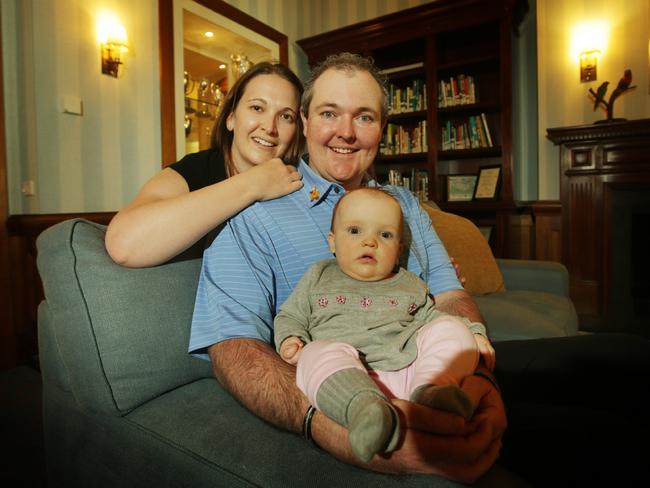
(574,403)
(253,265)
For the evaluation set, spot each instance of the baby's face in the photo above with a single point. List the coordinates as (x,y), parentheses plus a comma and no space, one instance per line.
(366,235)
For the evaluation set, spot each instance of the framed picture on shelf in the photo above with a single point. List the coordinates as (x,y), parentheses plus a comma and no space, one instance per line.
(460,188)
(487,186)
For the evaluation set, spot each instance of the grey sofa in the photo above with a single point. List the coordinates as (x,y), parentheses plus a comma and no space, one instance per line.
(125,405)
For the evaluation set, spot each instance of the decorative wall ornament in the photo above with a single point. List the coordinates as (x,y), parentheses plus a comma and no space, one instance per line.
(598,96)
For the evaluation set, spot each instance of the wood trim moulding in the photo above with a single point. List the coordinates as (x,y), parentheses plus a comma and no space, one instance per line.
(598,131)
(31,225)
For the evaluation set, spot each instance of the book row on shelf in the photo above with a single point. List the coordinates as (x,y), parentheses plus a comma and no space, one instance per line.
(471,134)
(416,181)
(404,99)
(459,90)
(398,139)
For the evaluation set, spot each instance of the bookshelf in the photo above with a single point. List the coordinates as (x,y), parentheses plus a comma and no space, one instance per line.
(450,92)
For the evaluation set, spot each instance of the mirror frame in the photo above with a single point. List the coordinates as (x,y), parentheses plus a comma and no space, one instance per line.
(166,53)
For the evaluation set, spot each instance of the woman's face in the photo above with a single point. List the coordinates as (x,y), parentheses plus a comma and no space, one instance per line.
(264,121)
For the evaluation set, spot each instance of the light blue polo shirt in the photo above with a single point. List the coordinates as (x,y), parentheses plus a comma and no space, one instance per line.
(256,260)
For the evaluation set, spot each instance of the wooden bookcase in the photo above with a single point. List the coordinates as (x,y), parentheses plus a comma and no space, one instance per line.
(420,47)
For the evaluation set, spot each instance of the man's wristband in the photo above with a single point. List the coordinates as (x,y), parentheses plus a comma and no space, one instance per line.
(306,423)
(489,378)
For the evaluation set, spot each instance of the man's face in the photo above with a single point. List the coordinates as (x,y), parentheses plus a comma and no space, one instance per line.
(344,126)
(366,235)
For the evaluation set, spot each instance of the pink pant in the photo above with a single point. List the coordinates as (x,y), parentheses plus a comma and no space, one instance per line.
(447,352)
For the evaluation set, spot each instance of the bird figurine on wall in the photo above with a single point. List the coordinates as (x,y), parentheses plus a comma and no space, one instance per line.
(600,94)
(623,83)
(623,86)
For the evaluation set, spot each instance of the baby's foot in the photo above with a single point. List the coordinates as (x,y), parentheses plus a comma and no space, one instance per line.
(373,426)
(448,397)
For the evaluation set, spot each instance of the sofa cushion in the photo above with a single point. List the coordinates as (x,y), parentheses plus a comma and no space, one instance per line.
(465,243)
(129,327)
(527,314)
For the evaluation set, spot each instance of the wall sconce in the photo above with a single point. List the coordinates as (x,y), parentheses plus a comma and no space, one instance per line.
(589,66)
(114,42)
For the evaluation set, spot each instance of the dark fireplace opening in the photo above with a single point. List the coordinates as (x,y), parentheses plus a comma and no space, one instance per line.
(629,291)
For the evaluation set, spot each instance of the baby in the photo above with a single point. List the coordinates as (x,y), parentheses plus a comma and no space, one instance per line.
(362,330)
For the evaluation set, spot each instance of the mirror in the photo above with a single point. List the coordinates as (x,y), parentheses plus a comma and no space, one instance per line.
(205,45)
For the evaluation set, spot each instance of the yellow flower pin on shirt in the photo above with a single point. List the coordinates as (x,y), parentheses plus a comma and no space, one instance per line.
(313,194)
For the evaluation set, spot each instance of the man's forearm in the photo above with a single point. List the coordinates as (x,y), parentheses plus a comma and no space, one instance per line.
(260,380)
(460,303)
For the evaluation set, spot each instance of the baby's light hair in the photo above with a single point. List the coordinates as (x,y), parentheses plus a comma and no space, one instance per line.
(374,191)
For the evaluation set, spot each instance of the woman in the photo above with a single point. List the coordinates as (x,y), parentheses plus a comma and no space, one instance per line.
(259,126)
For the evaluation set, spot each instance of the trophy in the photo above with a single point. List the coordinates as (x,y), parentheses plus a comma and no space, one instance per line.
(217,94)
(188,83)
(204,86)
(240,64)
(188,86)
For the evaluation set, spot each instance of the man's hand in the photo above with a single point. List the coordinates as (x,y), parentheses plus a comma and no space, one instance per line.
(486,350)
(434,442)
(490,405)
(290,349)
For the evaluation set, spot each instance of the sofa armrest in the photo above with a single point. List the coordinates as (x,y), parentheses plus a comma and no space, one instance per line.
(546,276)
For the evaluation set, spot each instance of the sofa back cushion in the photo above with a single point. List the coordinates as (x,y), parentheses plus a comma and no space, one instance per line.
(122,333)
(465,243)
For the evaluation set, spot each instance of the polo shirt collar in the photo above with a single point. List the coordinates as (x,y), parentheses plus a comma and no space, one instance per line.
(318,189)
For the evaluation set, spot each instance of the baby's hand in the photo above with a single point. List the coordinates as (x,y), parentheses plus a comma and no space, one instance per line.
(486,350)
(290,350)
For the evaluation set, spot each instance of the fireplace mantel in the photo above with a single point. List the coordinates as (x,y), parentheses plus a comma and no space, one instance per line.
(595,161)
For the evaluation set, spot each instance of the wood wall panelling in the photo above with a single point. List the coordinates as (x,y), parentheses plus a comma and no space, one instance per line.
(547,217)
(26,290)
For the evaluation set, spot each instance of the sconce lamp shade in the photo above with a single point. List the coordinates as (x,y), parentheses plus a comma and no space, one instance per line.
(589,66)
(114,42)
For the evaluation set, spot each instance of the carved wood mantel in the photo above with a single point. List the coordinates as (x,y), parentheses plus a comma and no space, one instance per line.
(595,161)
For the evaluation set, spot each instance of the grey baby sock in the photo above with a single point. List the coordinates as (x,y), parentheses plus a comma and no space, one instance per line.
(351,398)
(448,397)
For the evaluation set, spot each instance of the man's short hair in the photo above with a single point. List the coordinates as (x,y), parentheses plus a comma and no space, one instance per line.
(345,62)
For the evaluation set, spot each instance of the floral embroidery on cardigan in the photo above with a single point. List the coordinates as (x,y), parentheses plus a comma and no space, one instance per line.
(323,301)
(412,308)
(340,299)
(365,302)
(392,301)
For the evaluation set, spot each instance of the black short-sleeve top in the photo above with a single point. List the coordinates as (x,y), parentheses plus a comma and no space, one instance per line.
(199,170)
